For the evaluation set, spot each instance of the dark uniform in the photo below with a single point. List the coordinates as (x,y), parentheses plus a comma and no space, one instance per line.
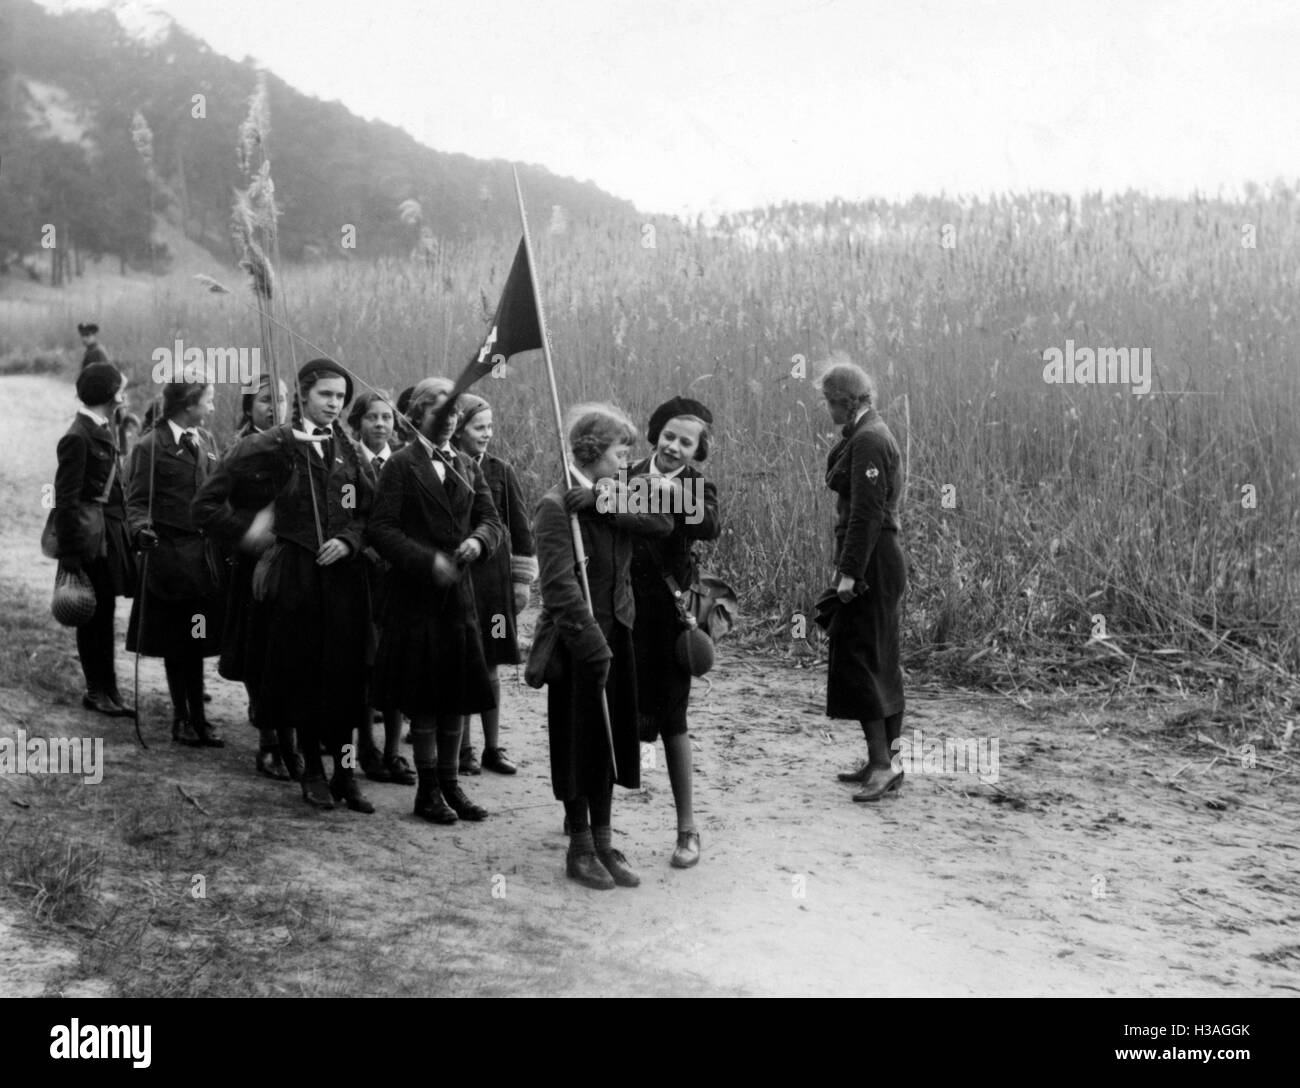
(663,686)
(430,659)
(865,680)
(87,458)
(494,579)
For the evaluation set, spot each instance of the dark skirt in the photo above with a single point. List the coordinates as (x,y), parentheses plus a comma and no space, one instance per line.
(494,595)
(579,746)
(317,631)
(121,560)
(864,680)
(243,634)
(663,686)
(430,661)
(188,628)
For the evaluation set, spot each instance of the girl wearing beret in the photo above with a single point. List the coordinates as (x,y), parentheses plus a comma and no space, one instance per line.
(373,420)
(178,617)
(310,576)
(90,474)
(582,652)
(864,679)
(679,432)
(501,582)
(243,635)
(433,516)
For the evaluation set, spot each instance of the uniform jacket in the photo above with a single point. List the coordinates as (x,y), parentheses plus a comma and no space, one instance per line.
(415,514)
(865,470)
(672,554)
(86,457)
(608,540)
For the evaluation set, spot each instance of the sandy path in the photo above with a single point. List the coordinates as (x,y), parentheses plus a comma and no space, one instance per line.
(954,887)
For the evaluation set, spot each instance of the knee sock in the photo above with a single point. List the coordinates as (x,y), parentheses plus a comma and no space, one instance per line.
(677,751)
(194,688)
(424,744)
(176,686)
(602,837)
(893,729)
(575,812)
(878,753)
(448,733)
(392,733)
(492,718)
(602,807)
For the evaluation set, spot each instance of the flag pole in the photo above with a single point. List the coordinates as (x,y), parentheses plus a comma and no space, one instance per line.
(580,553)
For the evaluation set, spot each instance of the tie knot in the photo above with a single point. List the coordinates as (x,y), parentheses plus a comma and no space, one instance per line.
(321,430)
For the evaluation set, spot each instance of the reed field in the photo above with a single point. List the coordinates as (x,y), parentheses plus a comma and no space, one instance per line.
(1173,515)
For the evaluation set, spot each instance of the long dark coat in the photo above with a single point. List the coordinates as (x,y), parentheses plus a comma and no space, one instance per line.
(493,583)
(243,634)
(663,686)
(182,600)
(864,678)
(317,618)
(430,658)
(86,455)
(578,744)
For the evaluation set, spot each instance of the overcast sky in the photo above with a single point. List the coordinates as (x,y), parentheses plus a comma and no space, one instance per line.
(725,104)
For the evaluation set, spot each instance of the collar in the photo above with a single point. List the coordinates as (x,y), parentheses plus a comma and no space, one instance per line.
(84,411)
(580,477)
(444,448)
(849,428)
(370,455)
(654,470)
(178,430)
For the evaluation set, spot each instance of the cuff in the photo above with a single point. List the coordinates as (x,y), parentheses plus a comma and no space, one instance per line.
(523,569)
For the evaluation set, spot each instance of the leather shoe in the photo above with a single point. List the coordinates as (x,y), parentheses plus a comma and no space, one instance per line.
(295,765)
(372,766)
(183,733)
(879,781)
(400,772)
(469,763)
(208,735)
(859,775)
(344,787)
(123,711)
(494,759)
(463,806)
(688,850)
(586,868)
(270,764)
(617,867)
(316,792)
(429,805)
(104,704)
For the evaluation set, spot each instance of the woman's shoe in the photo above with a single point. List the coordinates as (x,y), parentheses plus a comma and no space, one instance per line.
(469,763)
(617,867)
(859,775)
(462,805)
(373,766)
(270,764)
(208,735)
(586,868)
(295,765)
(688,850)
(429,805)
(344,787)
(316,792)
(183,733)
(494,759)
(400,772)
(879,781)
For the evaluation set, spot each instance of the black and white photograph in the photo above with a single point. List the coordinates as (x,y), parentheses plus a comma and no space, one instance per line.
(642,498)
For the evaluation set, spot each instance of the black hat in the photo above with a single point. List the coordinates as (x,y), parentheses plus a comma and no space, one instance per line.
(88,329)
(98,383)
(671,409)
(317,368)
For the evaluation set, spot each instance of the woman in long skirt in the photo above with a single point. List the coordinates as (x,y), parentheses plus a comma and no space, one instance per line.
(433,516)
(243,635)
(178,617)
(679,431)
(501,582)
(90,474)
(584,651)
(864,679)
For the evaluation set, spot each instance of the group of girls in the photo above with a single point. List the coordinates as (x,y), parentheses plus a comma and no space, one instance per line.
(342,577)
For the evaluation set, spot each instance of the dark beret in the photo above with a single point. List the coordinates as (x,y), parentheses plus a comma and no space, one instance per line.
(98,383)
(87,329)
(671,409)
(318,368)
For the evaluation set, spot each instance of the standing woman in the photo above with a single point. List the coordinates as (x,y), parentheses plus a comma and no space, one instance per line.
(89,474)
(310,578)
(372,420)
(583,652)
(500,582)
(432,512)
(243,634)
(864,679)
(178,616)
(679,431)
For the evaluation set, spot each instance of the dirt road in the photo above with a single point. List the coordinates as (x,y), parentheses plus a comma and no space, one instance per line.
(1079,872)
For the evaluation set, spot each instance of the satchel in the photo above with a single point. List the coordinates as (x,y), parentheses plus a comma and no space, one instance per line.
(544,664)
(183,568)
(710,601)
(266,574)
(90,520)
